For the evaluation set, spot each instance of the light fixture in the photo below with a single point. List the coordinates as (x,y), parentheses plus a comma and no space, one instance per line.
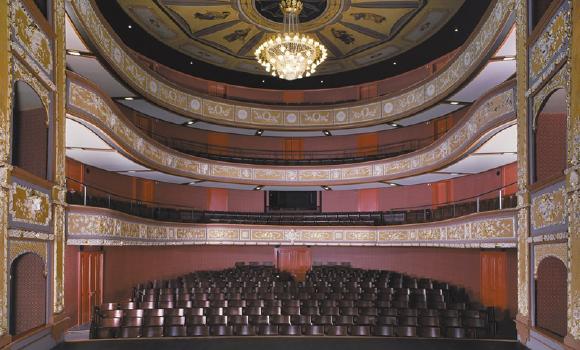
(326,132)
(509,58)
(130,26)
(291,55)
(326,188)
(73,53)
(259,187)
(456,30)
(189,122)
(455,103)
(394,125)
(259,132)
(128,98)
(395,63)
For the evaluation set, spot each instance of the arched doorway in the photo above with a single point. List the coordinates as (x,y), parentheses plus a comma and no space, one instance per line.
(552,296)
(27,293)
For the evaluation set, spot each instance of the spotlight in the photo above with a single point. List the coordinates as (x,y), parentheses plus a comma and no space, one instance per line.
(130,26)
(509,58)
(394,125)
(259,187)
(326,188)
(129,98)
(456,30)
(73,53)
(326,133)
(259,132)
(395,63)
(455,103)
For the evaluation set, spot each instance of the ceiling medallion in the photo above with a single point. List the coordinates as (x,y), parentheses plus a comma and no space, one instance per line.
(290,54)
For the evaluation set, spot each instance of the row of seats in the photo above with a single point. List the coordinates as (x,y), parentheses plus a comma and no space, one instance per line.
(259,300)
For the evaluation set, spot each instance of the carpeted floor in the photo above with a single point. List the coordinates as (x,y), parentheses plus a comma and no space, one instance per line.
(290,343)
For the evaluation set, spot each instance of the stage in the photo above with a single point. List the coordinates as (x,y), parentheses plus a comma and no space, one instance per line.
(291,343)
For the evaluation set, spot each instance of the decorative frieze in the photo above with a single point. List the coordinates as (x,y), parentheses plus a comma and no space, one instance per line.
(549,208)
(93,226)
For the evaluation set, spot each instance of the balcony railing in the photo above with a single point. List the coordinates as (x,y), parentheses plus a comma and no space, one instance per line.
(495,199)
(291,157)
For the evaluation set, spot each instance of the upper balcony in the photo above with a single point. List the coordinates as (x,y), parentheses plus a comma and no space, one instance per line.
(364,105)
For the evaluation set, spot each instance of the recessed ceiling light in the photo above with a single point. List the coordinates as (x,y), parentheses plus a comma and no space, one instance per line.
(326,188)
(74,53)
(259,132)
(191,122)
(326,133)
(130,26)
(395,63)
(455,103)
(509,58)
(132,171)
(259,187)
(322,82)
(190,62)
(263,80)
(128,98)
(456,30)
(394,125)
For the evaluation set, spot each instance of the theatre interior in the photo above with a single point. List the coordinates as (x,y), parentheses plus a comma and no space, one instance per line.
(283,174)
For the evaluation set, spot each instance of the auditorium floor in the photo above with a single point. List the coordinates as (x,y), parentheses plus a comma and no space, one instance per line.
(290,343)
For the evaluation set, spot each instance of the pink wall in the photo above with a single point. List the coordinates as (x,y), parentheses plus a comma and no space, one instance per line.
(383,199)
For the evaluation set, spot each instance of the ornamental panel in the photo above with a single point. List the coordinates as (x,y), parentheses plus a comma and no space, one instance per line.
(95,226)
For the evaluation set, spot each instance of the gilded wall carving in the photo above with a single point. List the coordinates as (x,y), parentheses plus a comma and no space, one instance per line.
(551,48)
(560,80)
(556,250)
(94,226)
(523,176)
(31,43)
(27,234)
(222,112)
(20,247)
(549,209)
(29,206)
(88,106)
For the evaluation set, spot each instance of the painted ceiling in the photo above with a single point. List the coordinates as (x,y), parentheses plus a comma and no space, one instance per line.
(226,33)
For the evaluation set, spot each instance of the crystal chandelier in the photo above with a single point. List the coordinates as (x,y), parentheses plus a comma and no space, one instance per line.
(291,55)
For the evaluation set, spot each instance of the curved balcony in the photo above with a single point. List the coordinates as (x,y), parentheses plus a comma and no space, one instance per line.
(88,105)
(99,226)
(495,199)
(394,106)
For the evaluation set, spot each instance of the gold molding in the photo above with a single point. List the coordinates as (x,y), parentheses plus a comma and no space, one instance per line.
(560,80)
(549,208)
(88,105)
(20,247)
(97,226)
(177,99)
(556,250)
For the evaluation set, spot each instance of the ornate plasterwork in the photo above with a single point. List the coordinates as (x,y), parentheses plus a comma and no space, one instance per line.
(30,206)
(227,33)
(31,43)
(20,247)
(91,108)
(21,73)
(26,234)
(549,209)
(560,80)
(179,100)
(556,250)
(92,226)
(551,48)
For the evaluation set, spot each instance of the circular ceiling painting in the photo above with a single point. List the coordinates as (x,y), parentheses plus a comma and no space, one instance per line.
(357,33)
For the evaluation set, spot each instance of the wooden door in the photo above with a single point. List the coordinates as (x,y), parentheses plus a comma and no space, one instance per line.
(296,260)
(90,284)
(494,279)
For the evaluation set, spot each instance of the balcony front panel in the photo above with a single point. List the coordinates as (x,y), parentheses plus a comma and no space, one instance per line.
(89,106)
(98,226)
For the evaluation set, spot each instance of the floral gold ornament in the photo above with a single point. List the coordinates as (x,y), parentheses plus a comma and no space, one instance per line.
(291,55)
